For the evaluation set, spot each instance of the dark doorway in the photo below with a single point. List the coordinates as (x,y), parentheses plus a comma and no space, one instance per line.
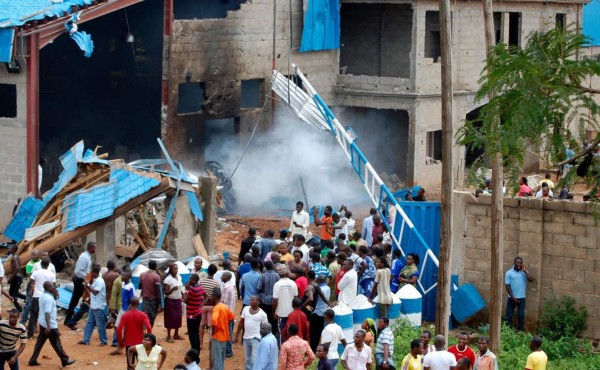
(473,154)
(112,99)
(380,130)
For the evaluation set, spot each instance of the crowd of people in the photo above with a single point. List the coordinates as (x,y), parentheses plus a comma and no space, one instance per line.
(287,286)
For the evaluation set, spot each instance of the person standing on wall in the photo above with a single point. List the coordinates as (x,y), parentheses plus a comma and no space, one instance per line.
(515,281)
(82,268)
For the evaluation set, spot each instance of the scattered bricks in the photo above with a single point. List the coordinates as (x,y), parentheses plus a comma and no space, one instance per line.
(555,250)
(584,219)
(585,288)
(562,285)
(575,252)
(554,227)
(575,230)
(565,240)
(592,277)
(573,275)
(578,207)
(585,242)
(562,217)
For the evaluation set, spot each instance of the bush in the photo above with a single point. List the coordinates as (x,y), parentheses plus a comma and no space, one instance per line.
(404,333)
(561,318)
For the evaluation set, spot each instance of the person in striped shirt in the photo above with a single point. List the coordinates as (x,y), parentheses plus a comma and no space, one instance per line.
(193,297)
(11,331)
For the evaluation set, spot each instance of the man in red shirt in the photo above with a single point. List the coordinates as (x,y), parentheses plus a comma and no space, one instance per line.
(462,349)
(299,318)
(150,285)
(133,321)
(221,316)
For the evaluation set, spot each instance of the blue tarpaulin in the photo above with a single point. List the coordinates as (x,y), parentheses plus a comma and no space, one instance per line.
(321,26)
(6,44)
(591,23)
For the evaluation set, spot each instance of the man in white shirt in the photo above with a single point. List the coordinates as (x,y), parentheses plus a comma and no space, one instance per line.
(357,356)
(38,264)
(36,284)
(348,284)
(300,245)
(440,359)
(96,317)
(367,227)
(333,335)
(284,291)
(300,220)
(82,268)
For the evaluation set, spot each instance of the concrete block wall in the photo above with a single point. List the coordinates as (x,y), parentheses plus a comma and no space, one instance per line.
(559,241)
(223,52)
(13,148)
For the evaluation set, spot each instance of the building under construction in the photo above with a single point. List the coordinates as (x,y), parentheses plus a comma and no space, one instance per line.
(187,71)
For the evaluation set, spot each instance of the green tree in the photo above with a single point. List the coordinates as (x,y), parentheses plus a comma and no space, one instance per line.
(542,102)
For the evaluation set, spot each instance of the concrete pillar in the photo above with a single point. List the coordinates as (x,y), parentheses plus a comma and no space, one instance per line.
(208,227)
(184,224)
(105,243)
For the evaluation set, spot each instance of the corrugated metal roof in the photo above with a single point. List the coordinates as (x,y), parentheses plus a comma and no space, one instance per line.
(591,25)
(14,13)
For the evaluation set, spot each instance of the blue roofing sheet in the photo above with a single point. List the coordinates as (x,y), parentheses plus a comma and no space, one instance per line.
(194,205)
(7,37)
(86,206)
(24,218)
(15,13)
(130,185)
(69,162)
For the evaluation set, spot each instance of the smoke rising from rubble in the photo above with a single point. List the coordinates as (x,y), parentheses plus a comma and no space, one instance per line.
(268,178)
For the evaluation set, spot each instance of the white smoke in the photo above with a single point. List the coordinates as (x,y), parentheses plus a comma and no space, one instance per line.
(268,177)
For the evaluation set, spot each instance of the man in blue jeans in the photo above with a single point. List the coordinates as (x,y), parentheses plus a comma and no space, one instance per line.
(515,281)
(97,315)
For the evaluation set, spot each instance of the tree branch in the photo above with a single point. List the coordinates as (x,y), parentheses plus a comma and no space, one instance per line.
(591,148)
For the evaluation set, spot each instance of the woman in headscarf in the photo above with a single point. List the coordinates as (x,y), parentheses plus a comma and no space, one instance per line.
(173,287)
(150,356)
(410,273)
(368,325)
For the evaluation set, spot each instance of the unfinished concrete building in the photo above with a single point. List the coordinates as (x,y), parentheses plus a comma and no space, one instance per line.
(386,69)
(217,58)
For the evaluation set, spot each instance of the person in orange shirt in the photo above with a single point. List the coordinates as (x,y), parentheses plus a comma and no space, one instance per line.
(221,316)
(326,222)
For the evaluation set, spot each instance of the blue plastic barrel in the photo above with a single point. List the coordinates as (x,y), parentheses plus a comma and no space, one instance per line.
(344,318)
(412,304)
(466,303)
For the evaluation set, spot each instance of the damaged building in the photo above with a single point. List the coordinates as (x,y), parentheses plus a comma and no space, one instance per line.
(189,71)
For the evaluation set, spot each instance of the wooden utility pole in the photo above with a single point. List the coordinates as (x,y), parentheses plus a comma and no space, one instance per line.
(497,246)
(443,288)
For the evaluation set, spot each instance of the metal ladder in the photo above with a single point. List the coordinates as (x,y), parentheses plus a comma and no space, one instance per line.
(311,108)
